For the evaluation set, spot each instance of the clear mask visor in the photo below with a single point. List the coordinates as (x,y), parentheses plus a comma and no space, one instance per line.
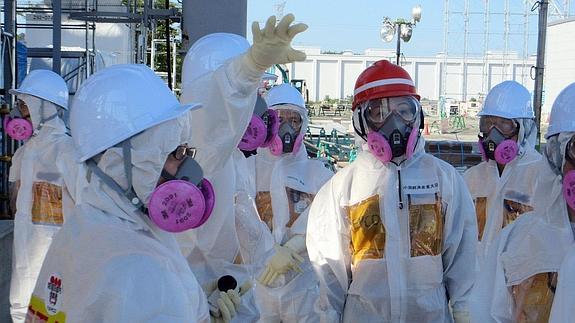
(377,111)
(291,117)
(507,127)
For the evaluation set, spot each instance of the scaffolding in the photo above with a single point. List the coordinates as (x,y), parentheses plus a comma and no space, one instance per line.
(486,29)
(78,15)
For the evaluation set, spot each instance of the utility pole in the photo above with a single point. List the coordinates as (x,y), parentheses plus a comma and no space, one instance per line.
(398,47)
(540,67)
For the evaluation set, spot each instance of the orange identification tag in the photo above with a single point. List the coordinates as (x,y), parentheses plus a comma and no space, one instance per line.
(367,230)
(264,206)
(426,228)
(533,298)
(47,204)
(481,212)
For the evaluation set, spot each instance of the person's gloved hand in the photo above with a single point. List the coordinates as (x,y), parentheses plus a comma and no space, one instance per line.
(228,303)
(461,317)
(282,261)
(272,45)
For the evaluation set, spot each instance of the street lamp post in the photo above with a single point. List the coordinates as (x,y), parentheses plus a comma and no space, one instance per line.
(403,27)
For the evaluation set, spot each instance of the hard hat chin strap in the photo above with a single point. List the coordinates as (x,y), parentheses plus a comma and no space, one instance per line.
(42,119)
(129,193)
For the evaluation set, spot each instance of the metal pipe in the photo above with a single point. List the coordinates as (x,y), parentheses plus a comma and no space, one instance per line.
(485,76)
(10,75)
(174,64)
(168,51)
(398,49)
(540,67)
(465,51)
(57,36)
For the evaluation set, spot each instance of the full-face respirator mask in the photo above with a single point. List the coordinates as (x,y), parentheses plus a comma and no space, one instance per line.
(261,130)
(17,126)
(569,178)
(393,126)
(289,137)
(496,139)
(184,201)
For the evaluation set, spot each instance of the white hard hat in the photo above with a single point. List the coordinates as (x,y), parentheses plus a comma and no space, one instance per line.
(285,94)
(509,100)
(45,85)
(562,118)
(210,52)
(117,103)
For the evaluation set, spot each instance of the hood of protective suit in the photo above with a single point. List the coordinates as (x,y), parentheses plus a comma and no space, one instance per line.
(555,151)
(551,179)
(41,110)
(527,137)
(150,150)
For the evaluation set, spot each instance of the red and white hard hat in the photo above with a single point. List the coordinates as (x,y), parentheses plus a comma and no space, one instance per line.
(383,80)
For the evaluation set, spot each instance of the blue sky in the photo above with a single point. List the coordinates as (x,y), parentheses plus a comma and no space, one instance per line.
(339,25)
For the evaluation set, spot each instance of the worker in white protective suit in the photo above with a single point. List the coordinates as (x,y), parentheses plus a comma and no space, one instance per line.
(562,309)
(286,183)
(393,236)
(519,277)
(39,172)
(223,73)
(502,186)
(116,259)
(564,301)
(252,232)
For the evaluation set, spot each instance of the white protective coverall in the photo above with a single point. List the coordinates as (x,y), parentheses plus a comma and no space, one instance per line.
(499,200)
(109,262)
(47,174)
(252,233)
(519,277)
(228,95)
(286,186)
(378,262)
(563,309)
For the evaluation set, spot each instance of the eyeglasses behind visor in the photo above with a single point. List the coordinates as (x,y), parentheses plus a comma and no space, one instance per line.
(507,127)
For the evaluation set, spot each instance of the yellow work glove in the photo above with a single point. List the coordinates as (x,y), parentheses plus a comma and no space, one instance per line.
(227,302)
(272,45)
(461,317)
(286,258)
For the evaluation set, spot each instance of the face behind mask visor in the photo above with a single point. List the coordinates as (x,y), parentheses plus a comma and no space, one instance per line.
(289,136)
(498,144)
(260,131)
(391,122)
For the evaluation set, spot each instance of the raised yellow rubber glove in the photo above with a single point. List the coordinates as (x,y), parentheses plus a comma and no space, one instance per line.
(272,45)
(461,317)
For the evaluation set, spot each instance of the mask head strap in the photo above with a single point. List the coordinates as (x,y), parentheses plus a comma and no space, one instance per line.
(129,193)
